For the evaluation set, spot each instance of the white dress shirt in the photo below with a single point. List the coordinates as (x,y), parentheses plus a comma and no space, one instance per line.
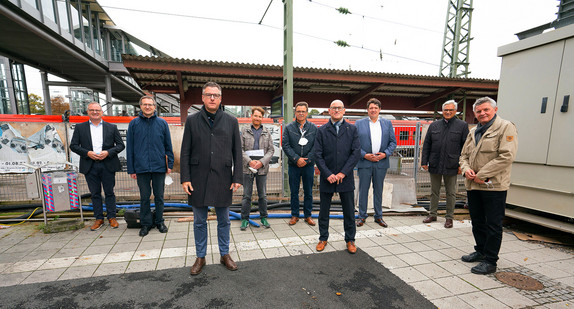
(376,135)
(97,133)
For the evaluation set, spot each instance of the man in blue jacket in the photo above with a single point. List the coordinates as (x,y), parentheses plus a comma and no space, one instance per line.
(337,151)
(298,144)
(149,159)
(377,144)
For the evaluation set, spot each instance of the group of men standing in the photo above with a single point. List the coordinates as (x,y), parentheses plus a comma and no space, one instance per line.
(217,158)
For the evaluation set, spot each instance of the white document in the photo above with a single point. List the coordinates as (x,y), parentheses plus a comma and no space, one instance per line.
(255,153)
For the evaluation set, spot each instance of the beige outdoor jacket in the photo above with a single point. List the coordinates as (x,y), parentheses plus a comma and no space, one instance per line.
(493,156)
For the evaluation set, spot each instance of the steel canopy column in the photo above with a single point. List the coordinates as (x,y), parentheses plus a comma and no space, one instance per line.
(109,104)
(46,89)
(287,80)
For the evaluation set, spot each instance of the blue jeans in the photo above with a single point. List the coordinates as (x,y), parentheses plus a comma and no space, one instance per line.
(261,181)
(295,175)
(157,181)
(200,230)
(377,176)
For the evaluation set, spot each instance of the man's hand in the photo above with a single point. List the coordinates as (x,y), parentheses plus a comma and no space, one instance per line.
(301,162)
(340,177)
(168,170)
(426,168)
(93,155)
(134,176)
(104,154)
(477,180)
(459,170)
(371,157)
(332,178)
(187,187)
(234,186)
(469,174)
(380,156)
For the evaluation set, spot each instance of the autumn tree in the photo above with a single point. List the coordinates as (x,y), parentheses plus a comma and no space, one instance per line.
(36,104)
(59,105)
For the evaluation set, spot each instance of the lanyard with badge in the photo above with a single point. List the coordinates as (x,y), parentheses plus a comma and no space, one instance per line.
(303,140)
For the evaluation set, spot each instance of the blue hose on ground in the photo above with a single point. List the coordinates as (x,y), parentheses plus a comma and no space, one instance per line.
(289,216)
(238,217)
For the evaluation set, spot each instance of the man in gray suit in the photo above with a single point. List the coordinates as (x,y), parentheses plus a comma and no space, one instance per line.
(377,144)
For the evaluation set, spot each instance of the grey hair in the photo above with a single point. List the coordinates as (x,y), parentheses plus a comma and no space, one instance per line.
(483,100)
(337,101)
(450,102)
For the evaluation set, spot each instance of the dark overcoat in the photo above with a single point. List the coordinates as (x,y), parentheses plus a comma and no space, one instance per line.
(211,158)
(81,144)
(337,153)
(442,146)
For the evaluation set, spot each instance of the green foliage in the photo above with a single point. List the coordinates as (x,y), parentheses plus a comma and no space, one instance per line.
(314,112)
(36,104)
(343,10)
(342,43)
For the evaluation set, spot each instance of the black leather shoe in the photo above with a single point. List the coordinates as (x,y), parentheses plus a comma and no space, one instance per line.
(473,257)
(483,268)
(144,230)
(162,228)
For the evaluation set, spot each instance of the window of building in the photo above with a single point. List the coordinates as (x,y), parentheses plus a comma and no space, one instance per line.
(4,96)
(63,15)
(48,10)
(19,80)
(87,24)
(76,25)
(33,3)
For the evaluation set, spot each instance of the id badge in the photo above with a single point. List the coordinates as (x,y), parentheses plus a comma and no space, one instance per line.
(303,141)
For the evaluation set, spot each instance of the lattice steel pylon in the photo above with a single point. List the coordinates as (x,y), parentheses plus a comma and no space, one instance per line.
(456,43)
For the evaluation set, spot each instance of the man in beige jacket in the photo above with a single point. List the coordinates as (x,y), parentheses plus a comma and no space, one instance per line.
(486,161)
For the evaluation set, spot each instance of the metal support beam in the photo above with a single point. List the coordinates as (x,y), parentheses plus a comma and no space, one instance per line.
(455,53)
(76,84)
(46,89)
(435,96)
(109,105)
(363,94)
(287,79)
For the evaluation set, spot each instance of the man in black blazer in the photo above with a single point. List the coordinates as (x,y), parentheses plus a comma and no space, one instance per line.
(337,151)
(98,144)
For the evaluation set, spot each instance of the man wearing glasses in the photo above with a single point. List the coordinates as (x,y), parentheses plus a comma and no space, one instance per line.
(441,151)
(337,151)
(298,144)
(211,170)
(98,144)
(150,158)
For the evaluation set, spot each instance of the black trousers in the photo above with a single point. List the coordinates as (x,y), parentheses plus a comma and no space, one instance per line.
(487,212)
(97,177)
(348,202)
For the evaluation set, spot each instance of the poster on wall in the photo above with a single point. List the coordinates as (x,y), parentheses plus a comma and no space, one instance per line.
(36,144)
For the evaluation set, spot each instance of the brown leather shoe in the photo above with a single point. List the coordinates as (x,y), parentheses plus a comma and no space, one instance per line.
(293,220)
(381,222)
(321,245)
(360,222)
(351,247)
(114,223)
(429,219)
(97,225)
(310,221)
(448,223)
(228,262)
(197,266)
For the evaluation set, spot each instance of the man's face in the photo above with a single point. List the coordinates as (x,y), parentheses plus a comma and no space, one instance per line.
(95,113)
(211,98)
(484,112)
(148,107)
(256,118)
(448,111)
(373,111)
(337,111)
(301,113)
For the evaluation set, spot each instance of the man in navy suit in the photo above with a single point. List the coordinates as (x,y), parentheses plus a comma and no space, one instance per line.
(98,144)
(377,144)
(337,151)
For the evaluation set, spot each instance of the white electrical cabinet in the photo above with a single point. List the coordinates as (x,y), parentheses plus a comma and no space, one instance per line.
(536,91)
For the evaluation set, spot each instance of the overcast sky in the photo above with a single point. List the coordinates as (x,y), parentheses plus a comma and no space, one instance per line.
(390,36)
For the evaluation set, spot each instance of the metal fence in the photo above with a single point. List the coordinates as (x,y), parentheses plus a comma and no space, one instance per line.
(405,162)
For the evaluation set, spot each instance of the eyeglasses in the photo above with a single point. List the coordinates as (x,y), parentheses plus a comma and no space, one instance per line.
(300,112)
(449,110)
(337,108)
(147,104)
(94,110)
(214,95)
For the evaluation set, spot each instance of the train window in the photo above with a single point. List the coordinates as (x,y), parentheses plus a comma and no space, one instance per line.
(404,135)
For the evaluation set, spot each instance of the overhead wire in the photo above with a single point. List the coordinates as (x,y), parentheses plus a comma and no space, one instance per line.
(268,26)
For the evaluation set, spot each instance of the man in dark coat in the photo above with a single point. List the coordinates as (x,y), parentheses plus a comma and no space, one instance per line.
(441,151)
(98,143)
(337,151)
(211,170)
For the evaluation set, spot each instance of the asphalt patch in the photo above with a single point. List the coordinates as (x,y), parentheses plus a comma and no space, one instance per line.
(326,280)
